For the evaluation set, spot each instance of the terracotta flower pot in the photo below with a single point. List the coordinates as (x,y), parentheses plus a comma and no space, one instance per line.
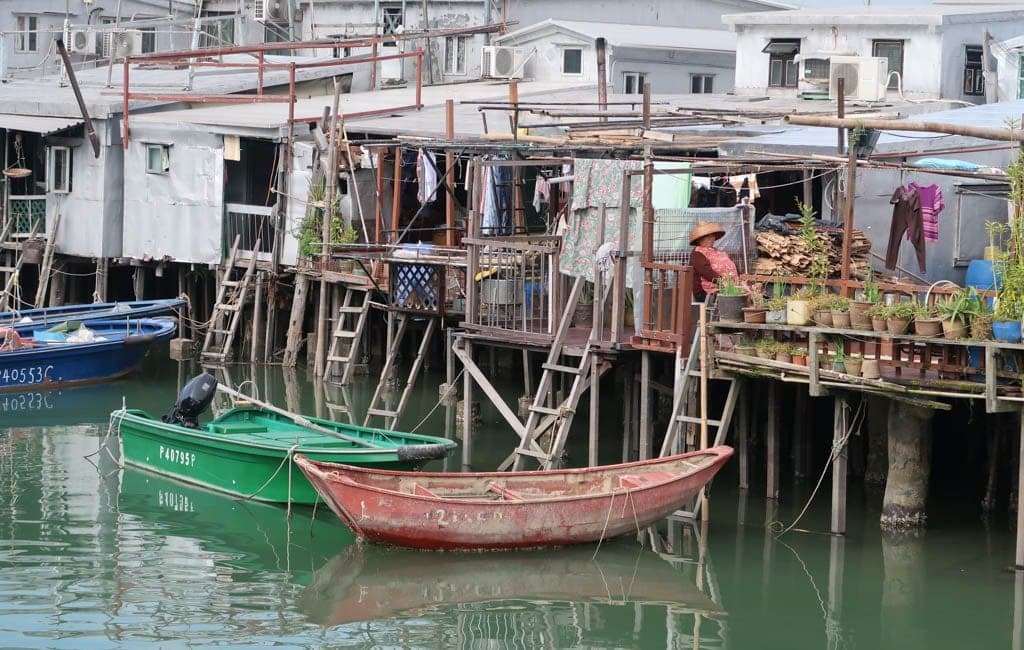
(859,318)
(853,366)
(799,359)
(755,315)
(784,357)
(841,319)
(823,317)
(954,329)
(927,326)
(897,325)
(878,324)
(869,369)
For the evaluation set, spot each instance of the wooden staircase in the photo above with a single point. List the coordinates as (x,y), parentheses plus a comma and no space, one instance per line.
(376,408)
(227,312)
(348,333)
(558,420)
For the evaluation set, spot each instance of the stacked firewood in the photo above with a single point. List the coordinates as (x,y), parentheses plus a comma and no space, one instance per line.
(788,254)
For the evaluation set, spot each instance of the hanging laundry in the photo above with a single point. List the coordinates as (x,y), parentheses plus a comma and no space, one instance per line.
(426,175)
(931,205)
(745,186)
(671,191)
(497,201)
(541,193)
(906,217)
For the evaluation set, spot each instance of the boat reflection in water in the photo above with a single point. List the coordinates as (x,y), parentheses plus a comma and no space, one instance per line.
(256,536)
(628,596)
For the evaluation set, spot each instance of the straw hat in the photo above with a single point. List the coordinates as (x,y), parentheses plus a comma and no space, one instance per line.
(705,228)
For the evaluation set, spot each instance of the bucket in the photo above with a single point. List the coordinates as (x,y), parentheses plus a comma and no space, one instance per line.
(1006,330)
(32,251)
(798,312)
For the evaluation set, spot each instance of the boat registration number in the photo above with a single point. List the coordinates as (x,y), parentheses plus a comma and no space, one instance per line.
(30,375)
(177,456)
(176,502)
(25,402)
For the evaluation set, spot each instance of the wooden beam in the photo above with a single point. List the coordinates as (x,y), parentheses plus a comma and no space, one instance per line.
(851,192)
(492,394)
(987,133)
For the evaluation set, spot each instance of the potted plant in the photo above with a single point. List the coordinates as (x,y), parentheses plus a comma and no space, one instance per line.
(766,348)
(878,313)
(798,307)
(1006,321)
(823,310)
(745,347)
(853,364)
(840,308)
(798,355)
(756,312)
(869,296)
(782,353)
(926,323)
(980,316)
(732,297)
(954,310)
(869,369)
(839,361)
(1010,294)
(898,317)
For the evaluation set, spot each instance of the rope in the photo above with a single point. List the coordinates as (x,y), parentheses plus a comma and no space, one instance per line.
(447,394)
(608,517)
(286,459)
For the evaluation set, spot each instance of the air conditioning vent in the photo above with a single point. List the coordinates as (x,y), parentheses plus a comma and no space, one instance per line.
(264,10)
(82,42)
(815,70)
(502,62)
(864,77)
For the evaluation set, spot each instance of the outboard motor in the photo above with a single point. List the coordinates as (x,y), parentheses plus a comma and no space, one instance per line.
(193,400)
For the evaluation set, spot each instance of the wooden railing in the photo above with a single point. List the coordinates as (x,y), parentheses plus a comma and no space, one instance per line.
(256,227)
(667,321)
(513,287)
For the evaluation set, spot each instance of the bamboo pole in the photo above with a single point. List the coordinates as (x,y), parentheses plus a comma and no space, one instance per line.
(851,192)
(987,133)
(449,174)
(704,360)
(328,218)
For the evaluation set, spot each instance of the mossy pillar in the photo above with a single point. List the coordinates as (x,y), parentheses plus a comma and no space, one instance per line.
(910,464)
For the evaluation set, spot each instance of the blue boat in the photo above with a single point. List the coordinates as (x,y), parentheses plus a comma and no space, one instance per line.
(92,311)
(33,358)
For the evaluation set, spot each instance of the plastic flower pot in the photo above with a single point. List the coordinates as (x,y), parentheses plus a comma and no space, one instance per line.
(798,312)
(1007,331)
(869,369)
(730,308)
(776,317)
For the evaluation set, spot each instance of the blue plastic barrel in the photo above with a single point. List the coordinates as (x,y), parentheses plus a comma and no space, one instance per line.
(983,275)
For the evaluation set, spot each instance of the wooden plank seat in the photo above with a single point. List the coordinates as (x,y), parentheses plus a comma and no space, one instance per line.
(504,492)
(630,481)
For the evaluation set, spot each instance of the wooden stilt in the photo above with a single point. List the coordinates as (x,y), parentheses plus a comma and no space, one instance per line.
(295,321)
(527,378)
(772,441)
(100,292)
(270,334)
(743,434)
(645,405)
(627,413)
(595,412)
(839,465)
(836,566)
(800,417)
(467,412)
(139,282)
(258,314)
(1020,502)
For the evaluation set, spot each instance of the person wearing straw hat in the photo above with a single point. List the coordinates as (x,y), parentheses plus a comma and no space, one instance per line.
(708,262)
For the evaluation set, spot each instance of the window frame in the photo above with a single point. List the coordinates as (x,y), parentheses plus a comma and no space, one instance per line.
(974,73)
(707,83)
(572,48)
(638,79)
(391,19)
(461,43)
(165,154)
(148,39)
(58,183)
(891,84)
(27,28)
(789,69)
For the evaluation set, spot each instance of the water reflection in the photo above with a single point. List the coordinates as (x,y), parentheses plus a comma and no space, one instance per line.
(626,596)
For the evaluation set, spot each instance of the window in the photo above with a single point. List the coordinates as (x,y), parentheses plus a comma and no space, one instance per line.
(27,28)
(60,170)
(217,31)
(572,60)
(702,83)
(782,68)
(455,54)
(974,77)
(893,51)
(148,40)
(633,82)
(158,158)
(275,33)
(1020,77)
(392,20)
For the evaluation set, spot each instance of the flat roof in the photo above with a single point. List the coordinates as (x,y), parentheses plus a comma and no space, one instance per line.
(633,35)
(880,15)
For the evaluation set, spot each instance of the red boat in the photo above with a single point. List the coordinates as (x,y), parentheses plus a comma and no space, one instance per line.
(509,510)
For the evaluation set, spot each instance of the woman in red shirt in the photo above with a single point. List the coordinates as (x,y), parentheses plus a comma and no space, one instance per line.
(708,262)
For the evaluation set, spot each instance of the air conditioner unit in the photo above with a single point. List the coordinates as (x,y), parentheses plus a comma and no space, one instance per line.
(815,70)
(264,10)
(865,77)
(502,62)
(124,43)
(82,41)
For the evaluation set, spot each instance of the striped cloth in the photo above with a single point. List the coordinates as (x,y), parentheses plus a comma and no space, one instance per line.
(931,206)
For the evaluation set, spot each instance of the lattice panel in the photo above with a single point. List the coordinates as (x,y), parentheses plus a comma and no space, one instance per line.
(25,213)
(418,288)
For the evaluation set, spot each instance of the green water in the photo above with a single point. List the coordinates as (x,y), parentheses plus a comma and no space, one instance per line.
(92,556)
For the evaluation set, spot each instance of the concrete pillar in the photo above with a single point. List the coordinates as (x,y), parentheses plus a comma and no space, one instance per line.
(902,590)
(910,464)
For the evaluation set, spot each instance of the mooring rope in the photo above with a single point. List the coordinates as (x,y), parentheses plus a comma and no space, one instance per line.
(104,445)
(448,393)
(611,505)
(286,459)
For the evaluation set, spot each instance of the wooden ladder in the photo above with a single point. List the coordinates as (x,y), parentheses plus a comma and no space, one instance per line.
(375,409)
(46,266)
(227,312)
(542,418)
(12,267)
(345,341)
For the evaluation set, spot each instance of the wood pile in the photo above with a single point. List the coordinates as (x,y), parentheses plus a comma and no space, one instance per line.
(787,254)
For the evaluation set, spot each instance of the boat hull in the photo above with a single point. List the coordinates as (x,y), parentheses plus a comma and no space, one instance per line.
(58,366)
(254,472)
(425,521)
(95,311)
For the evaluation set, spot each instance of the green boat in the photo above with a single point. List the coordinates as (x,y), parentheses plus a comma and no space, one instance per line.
(247,451)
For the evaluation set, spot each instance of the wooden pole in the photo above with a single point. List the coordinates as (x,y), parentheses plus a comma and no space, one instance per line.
(325,247)
(772,441)
(851,192)
(840,111)
(627,413)
(839,464)
(647,105)
(467,412)
(595,411)
(645,405)
(602,77)
(449,174)
(743,432)
(379,209)
(396,196)
(705,358)
(258,309)
(984,132)
(1020,505)
(295,320)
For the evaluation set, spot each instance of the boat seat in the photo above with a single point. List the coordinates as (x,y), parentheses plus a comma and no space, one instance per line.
(238,427)
(421,491)
(643,480)
(504,492)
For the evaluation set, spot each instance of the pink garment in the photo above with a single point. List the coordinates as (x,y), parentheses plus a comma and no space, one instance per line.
(720,263)
(931,206)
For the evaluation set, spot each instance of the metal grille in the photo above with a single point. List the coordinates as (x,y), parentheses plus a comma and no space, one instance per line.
(418,288)
(252,224)
(672,234)
(26,211)
(514,283)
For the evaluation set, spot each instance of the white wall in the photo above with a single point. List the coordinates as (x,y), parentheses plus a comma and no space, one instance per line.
(694,14)
(919,78)
(956,37)
(178,214)
(669,71)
